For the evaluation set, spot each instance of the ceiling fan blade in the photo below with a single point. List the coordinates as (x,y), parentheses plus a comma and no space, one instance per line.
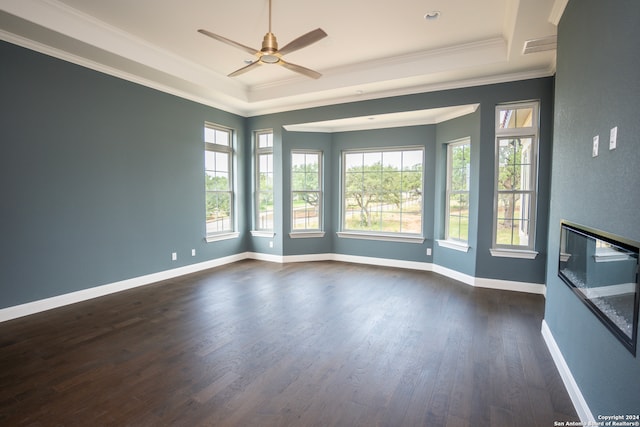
(228,41)
(245,69)
(300,69)
(303,41)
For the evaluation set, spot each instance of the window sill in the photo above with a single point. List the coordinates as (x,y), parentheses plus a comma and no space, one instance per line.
(260,233)
(306,234)
(222,236)
(514,253)
(454,244)
(381,237)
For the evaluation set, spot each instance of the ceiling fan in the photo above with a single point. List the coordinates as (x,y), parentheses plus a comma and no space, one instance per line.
(270,54)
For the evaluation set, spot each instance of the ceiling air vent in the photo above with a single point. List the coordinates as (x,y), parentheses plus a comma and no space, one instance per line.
(540,45)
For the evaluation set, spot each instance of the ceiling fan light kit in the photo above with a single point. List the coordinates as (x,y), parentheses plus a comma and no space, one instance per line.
(269,53)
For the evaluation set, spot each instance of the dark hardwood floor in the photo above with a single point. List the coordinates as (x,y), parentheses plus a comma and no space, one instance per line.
(263,344)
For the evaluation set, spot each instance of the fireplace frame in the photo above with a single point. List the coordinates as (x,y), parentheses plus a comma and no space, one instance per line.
(602,270)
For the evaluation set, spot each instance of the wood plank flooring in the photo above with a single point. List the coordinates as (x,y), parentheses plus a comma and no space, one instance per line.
(264,344)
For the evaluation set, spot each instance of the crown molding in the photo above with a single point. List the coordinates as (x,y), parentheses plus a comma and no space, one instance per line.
(55,29)
(409,65)
(226,104)
(557,11)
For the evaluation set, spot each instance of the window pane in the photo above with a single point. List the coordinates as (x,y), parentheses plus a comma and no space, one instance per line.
(265,163)
(412,183)
(298,161)
(392,160)
(222,162)
(217,136)
(306,212)
(411,222)
(412,160)
(515,118)
(218,180)
(382,191)
(353,161)
(458,184)
(265,214)
(306,197)
(372,161)
(514,171)
(218,215)
(513,219)
(265,140)
(515,175)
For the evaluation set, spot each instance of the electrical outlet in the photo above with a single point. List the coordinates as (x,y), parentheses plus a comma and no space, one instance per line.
(428,251)
(271,243)
(174,256)
(193,252)
(596,142)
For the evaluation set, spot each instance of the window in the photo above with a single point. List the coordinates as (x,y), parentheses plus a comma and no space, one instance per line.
(457,202)
(306,191)
(516,177)
(218,162)
(264,181)
(382,191)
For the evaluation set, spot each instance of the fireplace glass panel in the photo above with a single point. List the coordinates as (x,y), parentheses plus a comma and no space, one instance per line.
(602,270)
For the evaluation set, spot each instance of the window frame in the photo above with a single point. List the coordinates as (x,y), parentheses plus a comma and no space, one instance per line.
(533,133)
(466,141)
(404,237)
(258,230)
(229,149)
(308,232)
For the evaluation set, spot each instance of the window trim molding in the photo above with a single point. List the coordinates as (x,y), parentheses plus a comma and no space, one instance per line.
(513,253)
(222,236)
(387,237)
(262,233)
(256,182)
(231,151)
(456,245)
(372,235)
(463,243)
(533,132)
(304,232)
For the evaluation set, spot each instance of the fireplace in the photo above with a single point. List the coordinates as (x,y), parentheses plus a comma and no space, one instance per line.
(602,270)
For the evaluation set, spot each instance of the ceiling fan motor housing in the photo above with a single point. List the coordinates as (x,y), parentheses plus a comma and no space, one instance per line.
(269,49)
(269,43)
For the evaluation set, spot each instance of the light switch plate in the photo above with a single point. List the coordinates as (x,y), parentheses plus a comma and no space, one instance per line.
(596,141)
(613,138)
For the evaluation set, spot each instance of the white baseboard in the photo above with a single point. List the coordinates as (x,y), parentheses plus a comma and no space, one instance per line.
(102,290)
(586,417)
(384,262)
(510,285)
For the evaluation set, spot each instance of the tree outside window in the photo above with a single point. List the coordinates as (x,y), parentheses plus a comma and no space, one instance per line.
(515,186)
(382,191)
(264,181)
(458,178)
(306,191)
(218,179)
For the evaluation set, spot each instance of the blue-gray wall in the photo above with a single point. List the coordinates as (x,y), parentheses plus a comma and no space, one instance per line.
(597,88)
(463,127)
(479,125)
(100,179)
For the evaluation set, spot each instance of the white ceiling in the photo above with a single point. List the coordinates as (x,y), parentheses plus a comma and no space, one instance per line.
(374,48)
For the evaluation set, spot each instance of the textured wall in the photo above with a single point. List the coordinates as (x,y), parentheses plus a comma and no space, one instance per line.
(597,88)
(101,179)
